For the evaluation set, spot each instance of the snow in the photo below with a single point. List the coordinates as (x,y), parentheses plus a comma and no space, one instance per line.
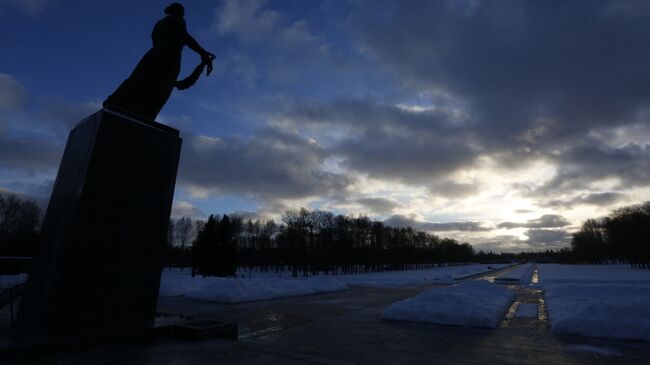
(253,286)
(520,275)
(607,301)
(9,281)
(591,273)
(526,310)
(471,303)
(230,290)
(411,278)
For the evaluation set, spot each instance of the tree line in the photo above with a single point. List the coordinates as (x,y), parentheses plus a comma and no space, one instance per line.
(624,236)
(308,242)
(19,226)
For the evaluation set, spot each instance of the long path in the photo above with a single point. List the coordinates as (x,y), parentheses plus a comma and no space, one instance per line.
(346,327)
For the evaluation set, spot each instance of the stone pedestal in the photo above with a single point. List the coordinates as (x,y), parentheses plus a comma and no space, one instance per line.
(104,232)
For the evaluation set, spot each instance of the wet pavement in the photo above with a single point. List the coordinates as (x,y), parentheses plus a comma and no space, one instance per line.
(345,327)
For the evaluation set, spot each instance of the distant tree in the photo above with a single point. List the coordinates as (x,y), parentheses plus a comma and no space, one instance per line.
(184,232)
(170,241)
(204,249)
(227,234)
(19,224)
(588,244)
(628,231)
(309,242)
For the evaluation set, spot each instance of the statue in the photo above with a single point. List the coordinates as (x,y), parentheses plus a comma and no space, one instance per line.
(146,91)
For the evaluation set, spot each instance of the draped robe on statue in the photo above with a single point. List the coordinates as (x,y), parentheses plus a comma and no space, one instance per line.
(146,91)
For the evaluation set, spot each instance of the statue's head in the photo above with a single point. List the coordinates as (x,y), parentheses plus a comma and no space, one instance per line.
(175,9)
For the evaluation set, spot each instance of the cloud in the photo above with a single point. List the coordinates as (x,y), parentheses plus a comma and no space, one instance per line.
(64,116)
(253,22)
(182,208)
(547,238)
(245,18)
(29,155)
(531,77)
(392,143)
(596,199)
(545,221)
(483,53)
(581,166)
(269,165)
(12,93)
(378,205)
(398,220)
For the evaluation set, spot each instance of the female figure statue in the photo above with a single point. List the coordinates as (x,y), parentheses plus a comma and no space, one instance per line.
(146,91)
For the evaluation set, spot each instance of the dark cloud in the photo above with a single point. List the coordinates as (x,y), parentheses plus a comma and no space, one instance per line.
(62,117)
(392,143)
(548,238)
(531,71)
(545,221)
(248,215)
(378,205)
(29,155)
(581,166)
(404,221)
(597,199)
(270,164)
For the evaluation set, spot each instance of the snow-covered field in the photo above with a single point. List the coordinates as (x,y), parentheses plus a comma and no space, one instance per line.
(608,301)
(520,275)
(592,273)
(9,281)
(254,286)
(229,290)
(471,303)
(437,275)
(265,286)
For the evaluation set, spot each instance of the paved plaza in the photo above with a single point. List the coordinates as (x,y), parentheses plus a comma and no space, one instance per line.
(346,328)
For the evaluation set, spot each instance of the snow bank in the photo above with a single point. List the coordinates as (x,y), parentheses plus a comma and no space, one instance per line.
(227,290)
(472,303)
(591,273)
(520,275)
(9,281)
(608,301)
(620,311)
(436,275)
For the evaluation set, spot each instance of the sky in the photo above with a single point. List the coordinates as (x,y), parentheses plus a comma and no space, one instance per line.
(504,124)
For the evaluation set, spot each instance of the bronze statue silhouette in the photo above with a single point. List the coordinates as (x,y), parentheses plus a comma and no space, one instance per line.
(150,84)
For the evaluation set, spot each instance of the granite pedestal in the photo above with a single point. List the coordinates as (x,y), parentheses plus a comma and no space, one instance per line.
(104,232)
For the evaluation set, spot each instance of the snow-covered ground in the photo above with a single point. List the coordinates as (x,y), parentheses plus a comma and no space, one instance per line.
(471,303)
(592,273)
(608,301)
(264,286)
(253,286)
(519,275)
(437,275)
(9,281)
(229,290)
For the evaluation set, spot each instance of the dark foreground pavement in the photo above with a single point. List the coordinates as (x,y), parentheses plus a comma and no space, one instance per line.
(345,327)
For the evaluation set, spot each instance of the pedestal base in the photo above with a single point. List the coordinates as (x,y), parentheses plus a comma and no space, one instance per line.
(104,232)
